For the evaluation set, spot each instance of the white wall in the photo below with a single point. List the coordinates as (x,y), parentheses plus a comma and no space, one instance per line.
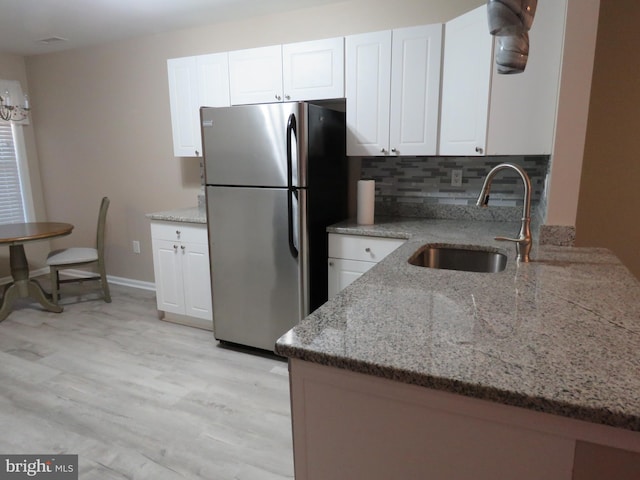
(573,111)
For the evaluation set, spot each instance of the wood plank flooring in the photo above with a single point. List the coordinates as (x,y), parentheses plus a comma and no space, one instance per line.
(139,398)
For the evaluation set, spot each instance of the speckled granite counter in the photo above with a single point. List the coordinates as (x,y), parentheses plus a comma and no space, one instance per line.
(559,335)
(183,215)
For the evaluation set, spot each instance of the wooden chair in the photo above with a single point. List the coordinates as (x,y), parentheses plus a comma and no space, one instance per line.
(79,257)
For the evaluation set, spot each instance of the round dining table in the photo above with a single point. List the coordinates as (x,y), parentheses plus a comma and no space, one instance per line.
(15,235)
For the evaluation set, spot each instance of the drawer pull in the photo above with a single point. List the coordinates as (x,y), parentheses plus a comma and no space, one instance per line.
(368,250)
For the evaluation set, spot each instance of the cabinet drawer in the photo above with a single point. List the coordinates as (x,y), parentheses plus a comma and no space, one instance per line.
(358,247)
(179,232)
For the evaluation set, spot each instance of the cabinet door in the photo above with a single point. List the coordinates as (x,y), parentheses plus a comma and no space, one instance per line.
(466,78)
(213,81)
(183,101)
(367,88)
(415,90)
(167,267)
(343,273)
(255,75)
(313,70)
(522,116)
(197,281)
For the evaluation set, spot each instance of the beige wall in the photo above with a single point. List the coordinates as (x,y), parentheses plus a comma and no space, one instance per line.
(101,116)
(609,206)
(12,67)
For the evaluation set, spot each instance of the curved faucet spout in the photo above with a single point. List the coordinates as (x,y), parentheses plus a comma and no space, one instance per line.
(523,242)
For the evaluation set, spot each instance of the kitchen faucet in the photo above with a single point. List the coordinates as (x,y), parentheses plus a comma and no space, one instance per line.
(523,242)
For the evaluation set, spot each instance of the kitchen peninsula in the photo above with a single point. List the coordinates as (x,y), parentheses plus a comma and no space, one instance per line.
(414,372)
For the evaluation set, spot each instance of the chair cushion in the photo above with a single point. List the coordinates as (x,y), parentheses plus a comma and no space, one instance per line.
(72,255)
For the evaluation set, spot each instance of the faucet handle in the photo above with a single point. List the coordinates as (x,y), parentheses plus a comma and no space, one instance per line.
(507,239)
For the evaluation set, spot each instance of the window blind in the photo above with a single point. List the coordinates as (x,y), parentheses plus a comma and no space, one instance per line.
(11,195)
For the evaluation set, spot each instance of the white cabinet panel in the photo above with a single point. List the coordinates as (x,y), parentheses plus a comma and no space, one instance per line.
(313,70)
(343,273)
(213,80)
(415,90)
(168,271)
(256,75)
(466,74)
(196,280)
(196,81)
(183,101)
(367,88)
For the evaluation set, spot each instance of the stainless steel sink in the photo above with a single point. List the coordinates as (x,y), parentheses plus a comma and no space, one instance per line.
(457,257)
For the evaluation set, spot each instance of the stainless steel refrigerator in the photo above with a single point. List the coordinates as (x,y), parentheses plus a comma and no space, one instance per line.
(276,177)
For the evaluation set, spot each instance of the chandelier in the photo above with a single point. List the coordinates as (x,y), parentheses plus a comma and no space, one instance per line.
(8,111)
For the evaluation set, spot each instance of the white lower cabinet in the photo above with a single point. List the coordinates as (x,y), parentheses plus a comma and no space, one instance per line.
(181,267)
(352,255)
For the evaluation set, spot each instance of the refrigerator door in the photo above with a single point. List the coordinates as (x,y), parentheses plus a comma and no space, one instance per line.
(247,145)
(257,281)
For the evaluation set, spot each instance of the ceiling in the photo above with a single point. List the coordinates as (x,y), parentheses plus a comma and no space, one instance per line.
(24,24)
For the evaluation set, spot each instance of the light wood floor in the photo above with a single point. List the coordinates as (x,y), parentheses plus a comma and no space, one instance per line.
(139,398)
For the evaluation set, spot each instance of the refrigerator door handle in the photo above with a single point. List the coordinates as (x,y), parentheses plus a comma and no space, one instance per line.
(291,130)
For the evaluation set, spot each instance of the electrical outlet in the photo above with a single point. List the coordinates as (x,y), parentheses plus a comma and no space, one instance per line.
(456,178)
(136,246)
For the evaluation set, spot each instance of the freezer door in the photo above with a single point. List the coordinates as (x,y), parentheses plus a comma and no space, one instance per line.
(247,145)
(257,278)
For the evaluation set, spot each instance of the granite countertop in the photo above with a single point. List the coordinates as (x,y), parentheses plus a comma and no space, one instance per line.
(182,215)
(559,335)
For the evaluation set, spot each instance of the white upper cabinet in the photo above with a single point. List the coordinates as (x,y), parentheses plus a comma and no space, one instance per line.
(194,82)
(256,75)
(313,70)
(367,88)
(293,72)
(466,74)
(415,90)
(213,80)
(393,91)
(183,101)
(484,113)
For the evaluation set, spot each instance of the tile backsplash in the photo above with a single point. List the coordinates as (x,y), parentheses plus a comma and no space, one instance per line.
(420,186)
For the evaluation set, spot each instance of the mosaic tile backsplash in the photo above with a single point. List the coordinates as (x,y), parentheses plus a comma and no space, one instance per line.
(421,186)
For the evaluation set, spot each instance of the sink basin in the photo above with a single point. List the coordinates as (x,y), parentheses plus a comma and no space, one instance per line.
(456,257)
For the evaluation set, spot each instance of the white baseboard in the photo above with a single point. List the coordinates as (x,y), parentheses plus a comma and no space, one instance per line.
(127,282)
